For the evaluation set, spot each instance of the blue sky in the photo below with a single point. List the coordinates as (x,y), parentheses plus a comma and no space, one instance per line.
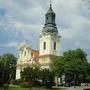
(22,20)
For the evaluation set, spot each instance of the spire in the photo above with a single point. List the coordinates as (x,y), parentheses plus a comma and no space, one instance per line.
(50,15)
(50,25)
(50,8)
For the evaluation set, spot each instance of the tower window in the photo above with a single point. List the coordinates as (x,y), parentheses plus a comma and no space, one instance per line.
(47,18)
(54,45)
(44,45)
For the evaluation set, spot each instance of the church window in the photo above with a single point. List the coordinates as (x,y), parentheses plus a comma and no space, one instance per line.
(25,53)
(44,45)
(54,45)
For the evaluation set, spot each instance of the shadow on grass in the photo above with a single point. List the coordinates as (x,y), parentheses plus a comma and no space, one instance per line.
(34,88)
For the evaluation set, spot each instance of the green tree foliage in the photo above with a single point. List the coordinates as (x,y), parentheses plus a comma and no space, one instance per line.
(1,71)
(74,65)
(88,74)
(58,66)
(47,78)
(7,68)
(30,75)
(75,70)
(75,54)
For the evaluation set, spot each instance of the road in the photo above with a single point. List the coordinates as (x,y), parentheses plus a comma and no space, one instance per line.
(76,88)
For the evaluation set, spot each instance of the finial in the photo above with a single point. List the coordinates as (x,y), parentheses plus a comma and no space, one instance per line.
(50,3)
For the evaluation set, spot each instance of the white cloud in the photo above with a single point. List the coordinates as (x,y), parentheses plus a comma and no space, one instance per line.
(27,26)
(10,45)
(72,18)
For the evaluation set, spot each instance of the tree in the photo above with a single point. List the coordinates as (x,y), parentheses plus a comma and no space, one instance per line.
(1,72)
(74,65)
(8,69)
(88,74)
(75,54)
(47,77)
(75,71)
(58,66)
(30,75)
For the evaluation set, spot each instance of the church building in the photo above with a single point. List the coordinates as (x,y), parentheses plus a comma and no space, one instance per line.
(49,47)
(27,57)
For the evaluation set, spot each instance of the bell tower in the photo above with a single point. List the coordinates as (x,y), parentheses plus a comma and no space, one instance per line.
(49,40)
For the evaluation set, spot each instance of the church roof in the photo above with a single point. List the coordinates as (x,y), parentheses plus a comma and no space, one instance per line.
(50,29)
(36,55)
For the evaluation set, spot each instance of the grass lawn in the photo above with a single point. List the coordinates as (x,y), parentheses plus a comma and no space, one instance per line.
(20,88)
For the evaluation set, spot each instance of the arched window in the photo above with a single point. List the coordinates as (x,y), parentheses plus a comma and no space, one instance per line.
(44,45)
(54,45)
(47,18)
(25,53)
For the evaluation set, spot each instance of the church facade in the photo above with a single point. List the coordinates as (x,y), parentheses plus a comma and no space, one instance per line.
(49,47)
(27,57)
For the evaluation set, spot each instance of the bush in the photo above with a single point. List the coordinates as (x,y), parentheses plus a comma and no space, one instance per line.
(48,85)
(25,84)
(37,84)
(17,82)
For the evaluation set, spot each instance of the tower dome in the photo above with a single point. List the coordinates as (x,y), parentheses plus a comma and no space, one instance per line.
(50,11)
(50,26)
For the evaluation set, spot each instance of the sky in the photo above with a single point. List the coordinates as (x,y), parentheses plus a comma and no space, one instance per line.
(22,20)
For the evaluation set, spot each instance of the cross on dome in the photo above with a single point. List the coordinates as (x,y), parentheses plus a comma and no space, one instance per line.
(50,3)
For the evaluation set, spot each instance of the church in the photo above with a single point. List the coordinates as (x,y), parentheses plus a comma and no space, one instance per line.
(49,47)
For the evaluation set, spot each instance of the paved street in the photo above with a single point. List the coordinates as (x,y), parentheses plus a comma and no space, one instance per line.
(75,88)
(72,88)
